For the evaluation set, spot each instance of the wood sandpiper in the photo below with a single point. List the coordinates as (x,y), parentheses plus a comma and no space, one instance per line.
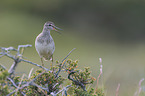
(44,43)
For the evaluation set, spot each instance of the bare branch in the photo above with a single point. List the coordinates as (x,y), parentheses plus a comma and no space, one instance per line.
(55,85)
(35,64)
(64,89)
(13,67)
(69,54)
(61,65)
(2,66)
(76,82)
(34,84)
(23,46)
(17,58)
(30,73)
(19,84)
(8,49)
(12,82)
(25,85)
(8,55)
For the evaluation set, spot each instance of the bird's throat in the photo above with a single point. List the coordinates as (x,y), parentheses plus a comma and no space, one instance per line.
(46,32)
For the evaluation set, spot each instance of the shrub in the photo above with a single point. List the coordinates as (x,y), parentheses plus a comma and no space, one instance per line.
(45,81)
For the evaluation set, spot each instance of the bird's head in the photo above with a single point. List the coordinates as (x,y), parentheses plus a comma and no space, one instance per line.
(51,26)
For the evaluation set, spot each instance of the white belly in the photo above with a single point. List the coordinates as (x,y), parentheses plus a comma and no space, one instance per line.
(45,50)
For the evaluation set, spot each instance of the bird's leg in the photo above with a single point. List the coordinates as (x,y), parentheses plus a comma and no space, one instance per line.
(42,62)
(51,59)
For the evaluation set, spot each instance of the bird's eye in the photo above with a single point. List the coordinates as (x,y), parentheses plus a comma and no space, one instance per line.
(49,25)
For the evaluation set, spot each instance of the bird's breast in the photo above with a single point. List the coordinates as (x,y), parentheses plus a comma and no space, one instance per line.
(45,48)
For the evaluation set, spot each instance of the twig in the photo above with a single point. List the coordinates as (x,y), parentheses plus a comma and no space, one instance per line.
(8,49)
(101,66)
(36,77)
(139,88)
(55,85)
(19,84)
(35,64)
(30,73)
(63,62)
(12,82)
(2,66)
(8,55)
(34,84)
(12,68)
(18,58)
(6,52)
(76,81)
(22,46)
(64,89)
(117,90)
(40,87)
(25,85)
(69,54)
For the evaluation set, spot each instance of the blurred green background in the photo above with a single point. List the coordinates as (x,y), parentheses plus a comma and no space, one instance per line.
(113,30)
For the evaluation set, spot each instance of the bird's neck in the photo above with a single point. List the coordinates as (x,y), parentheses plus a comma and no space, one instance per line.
(46,32)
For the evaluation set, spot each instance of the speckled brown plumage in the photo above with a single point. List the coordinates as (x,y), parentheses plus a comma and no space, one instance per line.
(44,42)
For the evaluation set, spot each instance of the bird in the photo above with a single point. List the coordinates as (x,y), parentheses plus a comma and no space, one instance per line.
(44,43)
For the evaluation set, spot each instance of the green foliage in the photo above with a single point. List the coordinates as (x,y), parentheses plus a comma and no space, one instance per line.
(43,82)
(80,92)
(90,92)
(100,92)
(4,89)
(81,79)
(46,79)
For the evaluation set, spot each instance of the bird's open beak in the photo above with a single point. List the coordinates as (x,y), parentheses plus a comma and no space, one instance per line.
(56,29)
